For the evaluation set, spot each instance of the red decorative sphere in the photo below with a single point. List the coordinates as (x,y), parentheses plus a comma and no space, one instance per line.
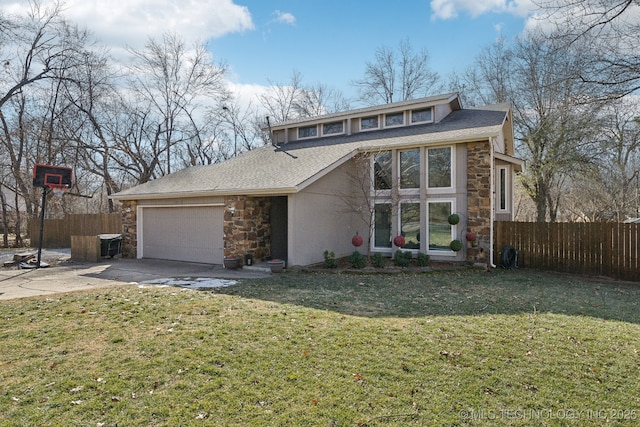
(357,240)
(399,241)
(471,236)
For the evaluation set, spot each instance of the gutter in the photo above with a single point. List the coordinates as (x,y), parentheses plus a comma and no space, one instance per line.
(492,201)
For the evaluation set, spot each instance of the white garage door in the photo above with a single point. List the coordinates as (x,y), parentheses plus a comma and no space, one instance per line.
(192,234)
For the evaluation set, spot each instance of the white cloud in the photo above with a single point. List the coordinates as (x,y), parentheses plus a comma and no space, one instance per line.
(449,9)
(119,23)
(284,17)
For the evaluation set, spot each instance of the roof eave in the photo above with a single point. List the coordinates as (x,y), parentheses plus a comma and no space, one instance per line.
(213,193)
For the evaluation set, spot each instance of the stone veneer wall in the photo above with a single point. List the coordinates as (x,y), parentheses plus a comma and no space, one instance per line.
(129,229)
(247,227)
(479,200)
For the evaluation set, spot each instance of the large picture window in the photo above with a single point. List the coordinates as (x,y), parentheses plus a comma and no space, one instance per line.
(410,224)
(410,169)
(440,231)
(382,225)
(382,170)
(439,167)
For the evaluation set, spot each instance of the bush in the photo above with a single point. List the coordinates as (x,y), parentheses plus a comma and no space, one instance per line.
(456,245)
(357,260)
(330,259)
(422,259)
(402,258)
(379,260)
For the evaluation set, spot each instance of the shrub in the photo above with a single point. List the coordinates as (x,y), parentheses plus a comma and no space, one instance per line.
(330,259)
(357,260)
(402,258)
(456,245)
(422,259)
(378,260)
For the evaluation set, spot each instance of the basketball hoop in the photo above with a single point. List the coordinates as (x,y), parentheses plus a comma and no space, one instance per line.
(57,190)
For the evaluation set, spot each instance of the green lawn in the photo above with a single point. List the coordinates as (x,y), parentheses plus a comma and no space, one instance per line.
(464,347)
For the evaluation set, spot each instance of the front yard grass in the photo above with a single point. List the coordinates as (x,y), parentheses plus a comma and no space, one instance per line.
(464,347)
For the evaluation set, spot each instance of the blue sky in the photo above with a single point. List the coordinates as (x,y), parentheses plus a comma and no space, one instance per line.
(327,42)
(331,43)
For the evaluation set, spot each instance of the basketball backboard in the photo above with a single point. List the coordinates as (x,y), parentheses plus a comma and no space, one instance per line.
(52,176)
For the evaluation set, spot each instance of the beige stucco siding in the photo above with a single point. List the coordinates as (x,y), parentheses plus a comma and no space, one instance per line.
(319,219)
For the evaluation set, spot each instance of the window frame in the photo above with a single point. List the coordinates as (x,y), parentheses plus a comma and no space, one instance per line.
(391,236)
(452,170)
(414,201)
(415,122)
(454,228)
(399,113)
(377,117)
(341,122)
(381,191)
(308,127)
(506,180)
(410,190)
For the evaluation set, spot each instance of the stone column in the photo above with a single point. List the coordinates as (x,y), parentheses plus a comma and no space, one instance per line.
(129,229)
(479,200)
(247,228)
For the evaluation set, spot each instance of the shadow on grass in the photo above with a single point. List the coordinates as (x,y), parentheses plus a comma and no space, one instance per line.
(463,292)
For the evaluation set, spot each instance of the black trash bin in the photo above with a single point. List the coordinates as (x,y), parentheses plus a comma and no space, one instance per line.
(110,244)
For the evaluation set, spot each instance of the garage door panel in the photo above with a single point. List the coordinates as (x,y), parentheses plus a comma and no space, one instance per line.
(192,234)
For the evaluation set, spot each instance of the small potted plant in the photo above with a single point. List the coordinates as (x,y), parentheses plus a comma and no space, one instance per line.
(453,219)
(276,265)
(455,245)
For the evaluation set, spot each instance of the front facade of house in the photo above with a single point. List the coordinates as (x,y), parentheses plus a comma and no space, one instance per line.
(381,172)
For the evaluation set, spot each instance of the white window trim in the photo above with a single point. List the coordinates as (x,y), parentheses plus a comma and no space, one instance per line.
(399,225)
(384,119)
(409,191)
(441,190)
(369,129)
(306,137)
(411,122)
(507,190)
(373,246)
(335,133)
(372,170)
(454,228)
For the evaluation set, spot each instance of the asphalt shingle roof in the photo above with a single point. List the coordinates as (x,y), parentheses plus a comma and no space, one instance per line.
(289,168)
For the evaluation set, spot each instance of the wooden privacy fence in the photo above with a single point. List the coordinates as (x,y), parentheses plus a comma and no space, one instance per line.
(597,249)
(57,232)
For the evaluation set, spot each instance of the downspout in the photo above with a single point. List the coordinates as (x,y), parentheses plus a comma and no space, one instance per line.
(492,201)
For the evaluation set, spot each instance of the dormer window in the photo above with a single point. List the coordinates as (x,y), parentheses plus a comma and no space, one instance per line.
(368,123)
(421,116)
(333,128)
(307,132)
(394,119)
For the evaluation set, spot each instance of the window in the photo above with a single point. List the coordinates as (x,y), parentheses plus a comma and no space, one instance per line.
(382,171)
(439,167)
(367,123)
(421,116)
(503,190)
(332,128)
(382,225)
(410,169)
(441,233)
(307,132)
(410,224)
(394,119)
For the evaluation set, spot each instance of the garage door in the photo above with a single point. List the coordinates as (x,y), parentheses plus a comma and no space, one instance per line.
(192,234)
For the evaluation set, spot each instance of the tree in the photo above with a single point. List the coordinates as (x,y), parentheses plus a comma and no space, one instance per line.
(556,116)
(611,28)
(176,83)
(396,75)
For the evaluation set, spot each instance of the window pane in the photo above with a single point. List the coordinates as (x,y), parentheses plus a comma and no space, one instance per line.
(307,132)
(410,169)
(410,224)
(421,115)
(439,227)
(369,122)
(439,164)
(382,170)
(503,189)
(382,225)
(394,119)
(330,128)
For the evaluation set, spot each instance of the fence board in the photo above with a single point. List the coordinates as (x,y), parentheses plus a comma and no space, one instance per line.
(57,232)
(607,249)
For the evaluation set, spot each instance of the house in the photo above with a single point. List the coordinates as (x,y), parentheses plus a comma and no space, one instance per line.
(396,169)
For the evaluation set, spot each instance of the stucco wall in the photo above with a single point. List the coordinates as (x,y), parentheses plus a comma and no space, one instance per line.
(319,219)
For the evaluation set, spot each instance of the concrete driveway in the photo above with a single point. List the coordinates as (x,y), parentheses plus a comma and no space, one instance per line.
(69,276)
